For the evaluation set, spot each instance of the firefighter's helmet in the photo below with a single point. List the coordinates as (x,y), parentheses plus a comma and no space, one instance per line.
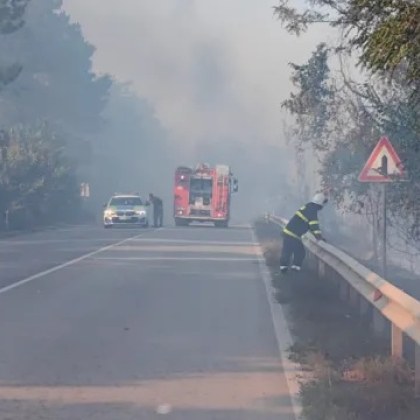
(320,198)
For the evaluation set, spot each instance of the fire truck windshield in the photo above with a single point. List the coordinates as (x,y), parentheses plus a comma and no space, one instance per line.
(201,186)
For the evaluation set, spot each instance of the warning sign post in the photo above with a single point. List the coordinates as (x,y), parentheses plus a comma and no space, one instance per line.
(383,166)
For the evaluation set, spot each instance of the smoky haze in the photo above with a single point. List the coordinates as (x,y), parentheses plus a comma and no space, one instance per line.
(206,80)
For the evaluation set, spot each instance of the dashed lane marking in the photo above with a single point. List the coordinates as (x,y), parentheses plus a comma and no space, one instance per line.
(66,264)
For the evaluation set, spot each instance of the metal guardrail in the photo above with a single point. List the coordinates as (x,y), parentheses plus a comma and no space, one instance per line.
(401,309)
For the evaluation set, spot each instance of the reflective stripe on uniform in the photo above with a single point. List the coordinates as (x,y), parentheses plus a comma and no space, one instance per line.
(300,214)
(314,222)
(293,235)
(317,232)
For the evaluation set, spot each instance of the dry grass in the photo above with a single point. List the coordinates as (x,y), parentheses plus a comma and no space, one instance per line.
(272,253)
(370,389)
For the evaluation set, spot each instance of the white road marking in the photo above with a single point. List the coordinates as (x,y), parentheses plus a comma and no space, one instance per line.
(174,259)
(164,409)
(209,226)
(189,241)
(64,265)
(292,371)
(53,241)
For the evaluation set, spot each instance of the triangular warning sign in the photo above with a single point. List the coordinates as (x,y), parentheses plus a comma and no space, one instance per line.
(383,164)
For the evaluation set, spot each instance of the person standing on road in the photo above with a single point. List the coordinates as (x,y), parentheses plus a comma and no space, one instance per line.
(304,220)
(157,210)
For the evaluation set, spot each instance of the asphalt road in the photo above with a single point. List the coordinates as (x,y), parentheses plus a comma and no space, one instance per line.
(123,325)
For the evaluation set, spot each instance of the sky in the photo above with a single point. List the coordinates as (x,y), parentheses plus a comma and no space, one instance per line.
(213,70)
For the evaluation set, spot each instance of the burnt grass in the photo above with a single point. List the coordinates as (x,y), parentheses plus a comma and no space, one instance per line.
(350,373)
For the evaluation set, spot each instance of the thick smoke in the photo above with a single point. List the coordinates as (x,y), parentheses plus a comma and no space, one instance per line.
(215,74)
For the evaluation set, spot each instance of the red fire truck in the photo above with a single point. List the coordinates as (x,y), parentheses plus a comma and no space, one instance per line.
(203,194)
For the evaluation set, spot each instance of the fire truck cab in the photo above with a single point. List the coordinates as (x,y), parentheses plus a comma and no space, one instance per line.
(203,194)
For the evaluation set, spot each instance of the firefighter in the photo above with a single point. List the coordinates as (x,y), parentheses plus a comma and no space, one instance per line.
(304,220)
(157,210)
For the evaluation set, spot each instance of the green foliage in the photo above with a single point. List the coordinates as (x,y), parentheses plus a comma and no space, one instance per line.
(11,19)
(387,32)
(342,121)
(37,182)
(310,105)
(57,83)
(8,74)
(375,110)
(56,86)
(113,137)
(11,15)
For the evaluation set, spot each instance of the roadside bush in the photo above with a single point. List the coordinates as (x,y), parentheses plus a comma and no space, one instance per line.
(38,184)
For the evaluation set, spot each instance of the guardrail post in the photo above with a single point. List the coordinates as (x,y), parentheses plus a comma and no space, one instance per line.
(396,341)
(417,370)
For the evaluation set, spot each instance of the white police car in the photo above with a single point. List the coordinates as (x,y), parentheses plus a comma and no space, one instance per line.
(126,210)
